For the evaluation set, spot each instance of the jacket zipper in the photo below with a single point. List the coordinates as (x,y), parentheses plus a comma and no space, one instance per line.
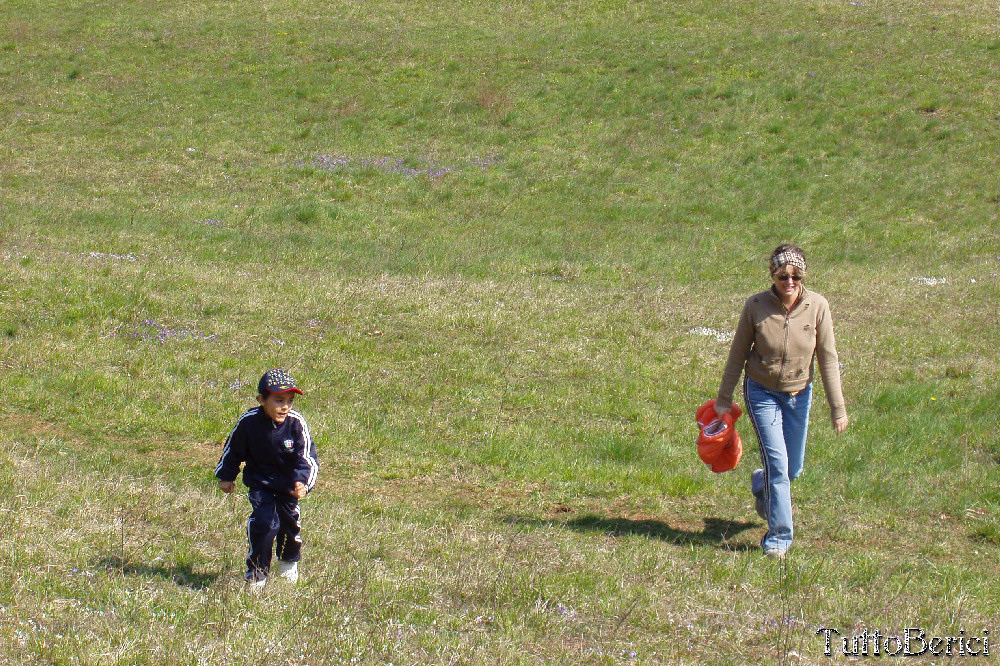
(784,345)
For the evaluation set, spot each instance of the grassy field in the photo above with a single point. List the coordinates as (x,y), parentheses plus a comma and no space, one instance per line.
(501,246)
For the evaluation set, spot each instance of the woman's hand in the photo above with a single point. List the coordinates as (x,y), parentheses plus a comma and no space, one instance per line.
(840,425)
(226,486)
(299,490)
(722,411)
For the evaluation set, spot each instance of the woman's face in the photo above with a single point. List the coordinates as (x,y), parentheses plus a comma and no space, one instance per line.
(787,280)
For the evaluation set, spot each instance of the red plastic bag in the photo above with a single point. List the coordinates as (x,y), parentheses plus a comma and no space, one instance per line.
(719,444)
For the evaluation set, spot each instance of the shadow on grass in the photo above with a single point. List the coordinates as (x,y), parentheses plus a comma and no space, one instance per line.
(716,531)
(180,574)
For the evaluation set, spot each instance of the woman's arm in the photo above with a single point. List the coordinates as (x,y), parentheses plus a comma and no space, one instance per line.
(829,368)
(739,350)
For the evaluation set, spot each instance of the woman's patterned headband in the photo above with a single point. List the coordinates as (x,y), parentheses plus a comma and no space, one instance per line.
(788,259)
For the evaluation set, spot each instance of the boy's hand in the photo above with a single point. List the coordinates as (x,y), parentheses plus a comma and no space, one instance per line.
(299,490)
(226,486)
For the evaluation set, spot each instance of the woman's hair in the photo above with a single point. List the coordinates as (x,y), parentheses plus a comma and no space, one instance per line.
(788,254)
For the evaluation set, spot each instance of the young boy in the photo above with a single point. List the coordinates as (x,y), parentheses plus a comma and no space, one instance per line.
(273,440)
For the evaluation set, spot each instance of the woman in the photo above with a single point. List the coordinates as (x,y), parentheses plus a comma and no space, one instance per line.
(779,333)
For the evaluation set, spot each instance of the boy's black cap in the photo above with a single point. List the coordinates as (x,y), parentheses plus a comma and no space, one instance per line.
(276,381)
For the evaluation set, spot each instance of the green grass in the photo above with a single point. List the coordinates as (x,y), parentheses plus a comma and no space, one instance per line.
(486,237)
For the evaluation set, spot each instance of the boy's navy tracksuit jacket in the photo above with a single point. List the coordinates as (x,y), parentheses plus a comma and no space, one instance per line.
(276,455)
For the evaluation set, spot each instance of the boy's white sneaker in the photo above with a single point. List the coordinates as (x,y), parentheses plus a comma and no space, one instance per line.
(255,584)
(289,571)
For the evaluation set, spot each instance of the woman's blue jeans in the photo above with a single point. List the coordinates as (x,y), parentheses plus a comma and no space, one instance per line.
(781,421)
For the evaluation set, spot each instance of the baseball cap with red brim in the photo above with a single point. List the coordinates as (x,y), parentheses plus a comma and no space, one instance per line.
(277,381)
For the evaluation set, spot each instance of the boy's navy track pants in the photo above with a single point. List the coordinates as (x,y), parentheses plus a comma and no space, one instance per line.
(274,524)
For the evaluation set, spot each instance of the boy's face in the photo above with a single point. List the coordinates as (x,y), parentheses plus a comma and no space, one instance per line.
(277,405)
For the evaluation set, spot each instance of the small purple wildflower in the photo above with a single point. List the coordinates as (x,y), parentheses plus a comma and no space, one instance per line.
(234,385)
(151,330)
(483,163)
(565,610)
(780,622)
